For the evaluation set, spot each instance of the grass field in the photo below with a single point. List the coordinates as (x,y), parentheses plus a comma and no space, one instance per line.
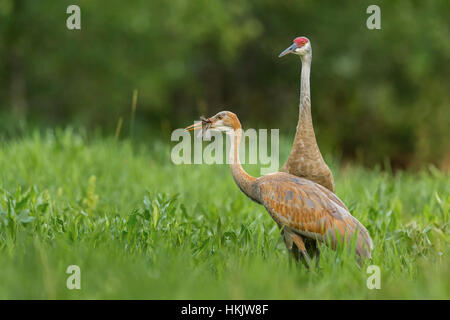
(140,227)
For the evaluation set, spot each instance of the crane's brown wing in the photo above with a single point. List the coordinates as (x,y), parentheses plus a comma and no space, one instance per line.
(310,210)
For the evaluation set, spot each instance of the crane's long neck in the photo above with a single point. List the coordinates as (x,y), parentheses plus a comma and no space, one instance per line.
(305,159)
(305,144)
(242,178)
(304,119)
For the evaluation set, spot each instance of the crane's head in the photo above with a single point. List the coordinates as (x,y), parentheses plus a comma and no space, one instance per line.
(225,121)
(300,46)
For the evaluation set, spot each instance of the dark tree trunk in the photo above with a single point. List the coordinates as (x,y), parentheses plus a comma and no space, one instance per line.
(14,60)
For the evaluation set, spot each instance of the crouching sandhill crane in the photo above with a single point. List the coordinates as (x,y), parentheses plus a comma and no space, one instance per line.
(302,208)
(305,159)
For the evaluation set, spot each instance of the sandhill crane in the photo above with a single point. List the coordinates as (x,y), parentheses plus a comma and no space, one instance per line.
(305,159)
(300,207)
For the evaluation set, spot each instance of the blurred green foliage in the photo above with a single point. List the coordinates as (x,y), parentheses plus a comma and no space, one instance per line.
(376,94)
(140,227)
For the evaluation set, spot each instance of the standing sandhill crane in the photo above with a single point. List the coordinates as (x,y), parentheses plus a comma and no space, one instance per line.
(302,208)
(305,159)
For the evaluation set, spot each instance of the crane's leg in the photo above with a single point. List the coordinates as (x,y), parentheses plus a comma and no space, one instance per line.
(299,252)
(312,249)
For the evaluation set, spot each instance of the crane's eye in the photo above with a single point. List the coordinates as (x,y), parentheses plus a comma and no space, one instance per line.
(220,117)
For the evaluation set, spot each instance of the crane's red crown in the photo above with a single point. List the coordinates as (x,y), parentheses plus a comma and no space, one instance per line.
(300,41)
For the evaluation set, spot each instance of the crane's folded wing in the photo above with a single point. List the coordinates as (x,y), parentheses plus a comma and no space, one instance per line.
(310,210)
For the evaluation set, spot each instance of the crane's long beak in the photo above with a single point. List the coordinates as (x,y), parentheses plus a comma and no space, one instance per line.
(194,126)
(288,50)
(204,124)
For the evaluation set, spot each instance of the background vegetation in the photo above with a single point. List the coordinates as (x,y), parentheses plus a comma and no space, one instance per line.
(75,190)
(377,95)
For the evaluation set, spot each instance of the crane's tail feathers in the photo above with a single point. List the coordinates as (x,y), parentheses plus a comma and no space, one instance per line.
(347,231)
(364,244)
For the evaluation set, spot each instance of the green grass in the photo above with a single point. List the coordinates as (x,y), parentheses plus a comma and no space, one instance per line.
(140,227)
